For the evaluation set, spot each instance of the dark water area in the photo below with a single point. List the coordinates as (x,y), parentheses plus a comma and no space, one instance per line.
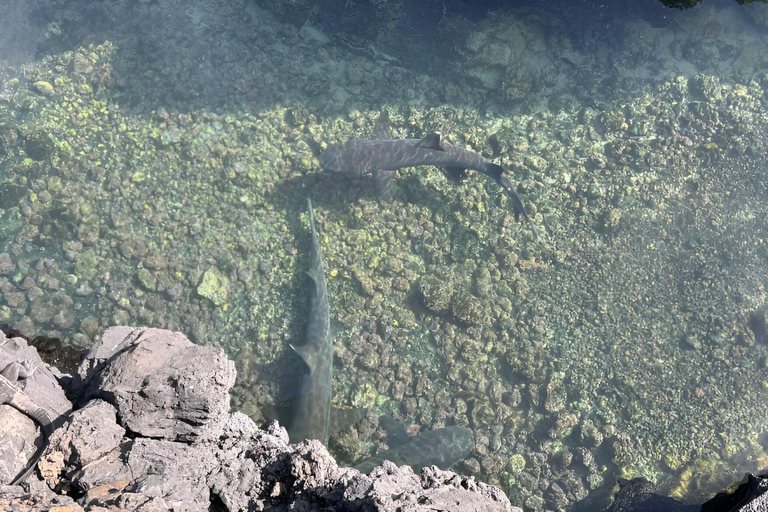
(156,156)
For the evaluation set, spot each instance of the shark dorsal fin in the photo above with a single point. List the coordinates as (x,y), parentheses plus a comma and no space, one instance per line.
(431,141)
(381,130)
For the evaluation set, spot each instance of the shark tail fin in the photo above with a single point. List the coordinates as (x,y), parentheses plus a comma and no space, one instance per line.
(502,178)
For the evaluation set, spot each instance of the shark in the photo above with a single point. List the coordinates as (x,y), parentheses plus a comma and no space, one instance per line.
(311,415)
(442,447)
(312,405)
(383,155)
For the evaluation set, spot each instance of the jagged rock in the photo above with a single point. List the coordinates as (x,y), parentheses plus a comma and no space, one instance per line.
(19,440)
(399,488)
(15,499)
(20,437)
(175,472)
(318,482)
(111,469)
(115,459)
(113,498)
(244,450)
(162,384)
(88,435)
(43,388)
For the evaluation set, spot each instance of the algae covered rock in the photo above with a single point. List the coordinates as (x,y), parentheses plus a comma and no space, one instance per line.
(43,87)
(214,286)
(436,294)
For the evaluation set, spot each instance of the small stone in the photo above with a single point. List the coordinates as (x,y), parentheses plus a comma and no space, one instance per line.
(436,294)
(467,308)
(557,395)
(34,293)
(43,87)
(90,326)
(25,326)
(147,279)
(27,283)
(175,291)
(7,266)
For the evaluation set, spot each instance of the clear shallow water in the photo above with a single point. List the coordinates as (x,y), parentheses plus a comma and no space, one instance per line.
(155,158)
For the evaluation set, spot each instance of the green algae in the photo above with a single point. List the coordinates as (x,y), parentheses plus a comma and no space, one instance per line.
(215,287)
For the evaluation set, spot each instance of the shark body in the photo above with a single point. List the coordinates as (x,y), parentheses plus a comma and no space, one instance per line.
(442,447)
(383,155)
(312,406)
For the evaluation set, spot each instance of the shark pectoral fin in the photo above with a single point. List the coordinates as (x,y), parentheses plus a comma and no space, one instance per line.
(304,353)
(381,129)
(344,418)
(431,141)
(517,203)
(336,327)
(456,173)
(384,182)
(316,279)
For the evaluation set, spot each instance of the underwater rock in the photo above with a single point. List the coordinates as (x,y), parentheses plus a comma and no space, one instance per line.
(43,87)
(467,308)
(147,279)
(637,495)
(436,294)
(39,145)
(491,52)
(7,266)
(90,326)
(516,84)
(214,286)
(557,396)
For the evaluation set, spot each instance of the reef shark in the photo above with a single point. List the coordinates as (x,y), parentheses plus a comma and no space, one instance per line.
(442,447)
(311,418)
(312,405)
(383,155)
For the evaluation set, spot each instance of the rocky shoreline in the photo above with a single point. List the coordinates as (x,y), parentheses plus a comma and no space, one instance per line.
(145,424)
